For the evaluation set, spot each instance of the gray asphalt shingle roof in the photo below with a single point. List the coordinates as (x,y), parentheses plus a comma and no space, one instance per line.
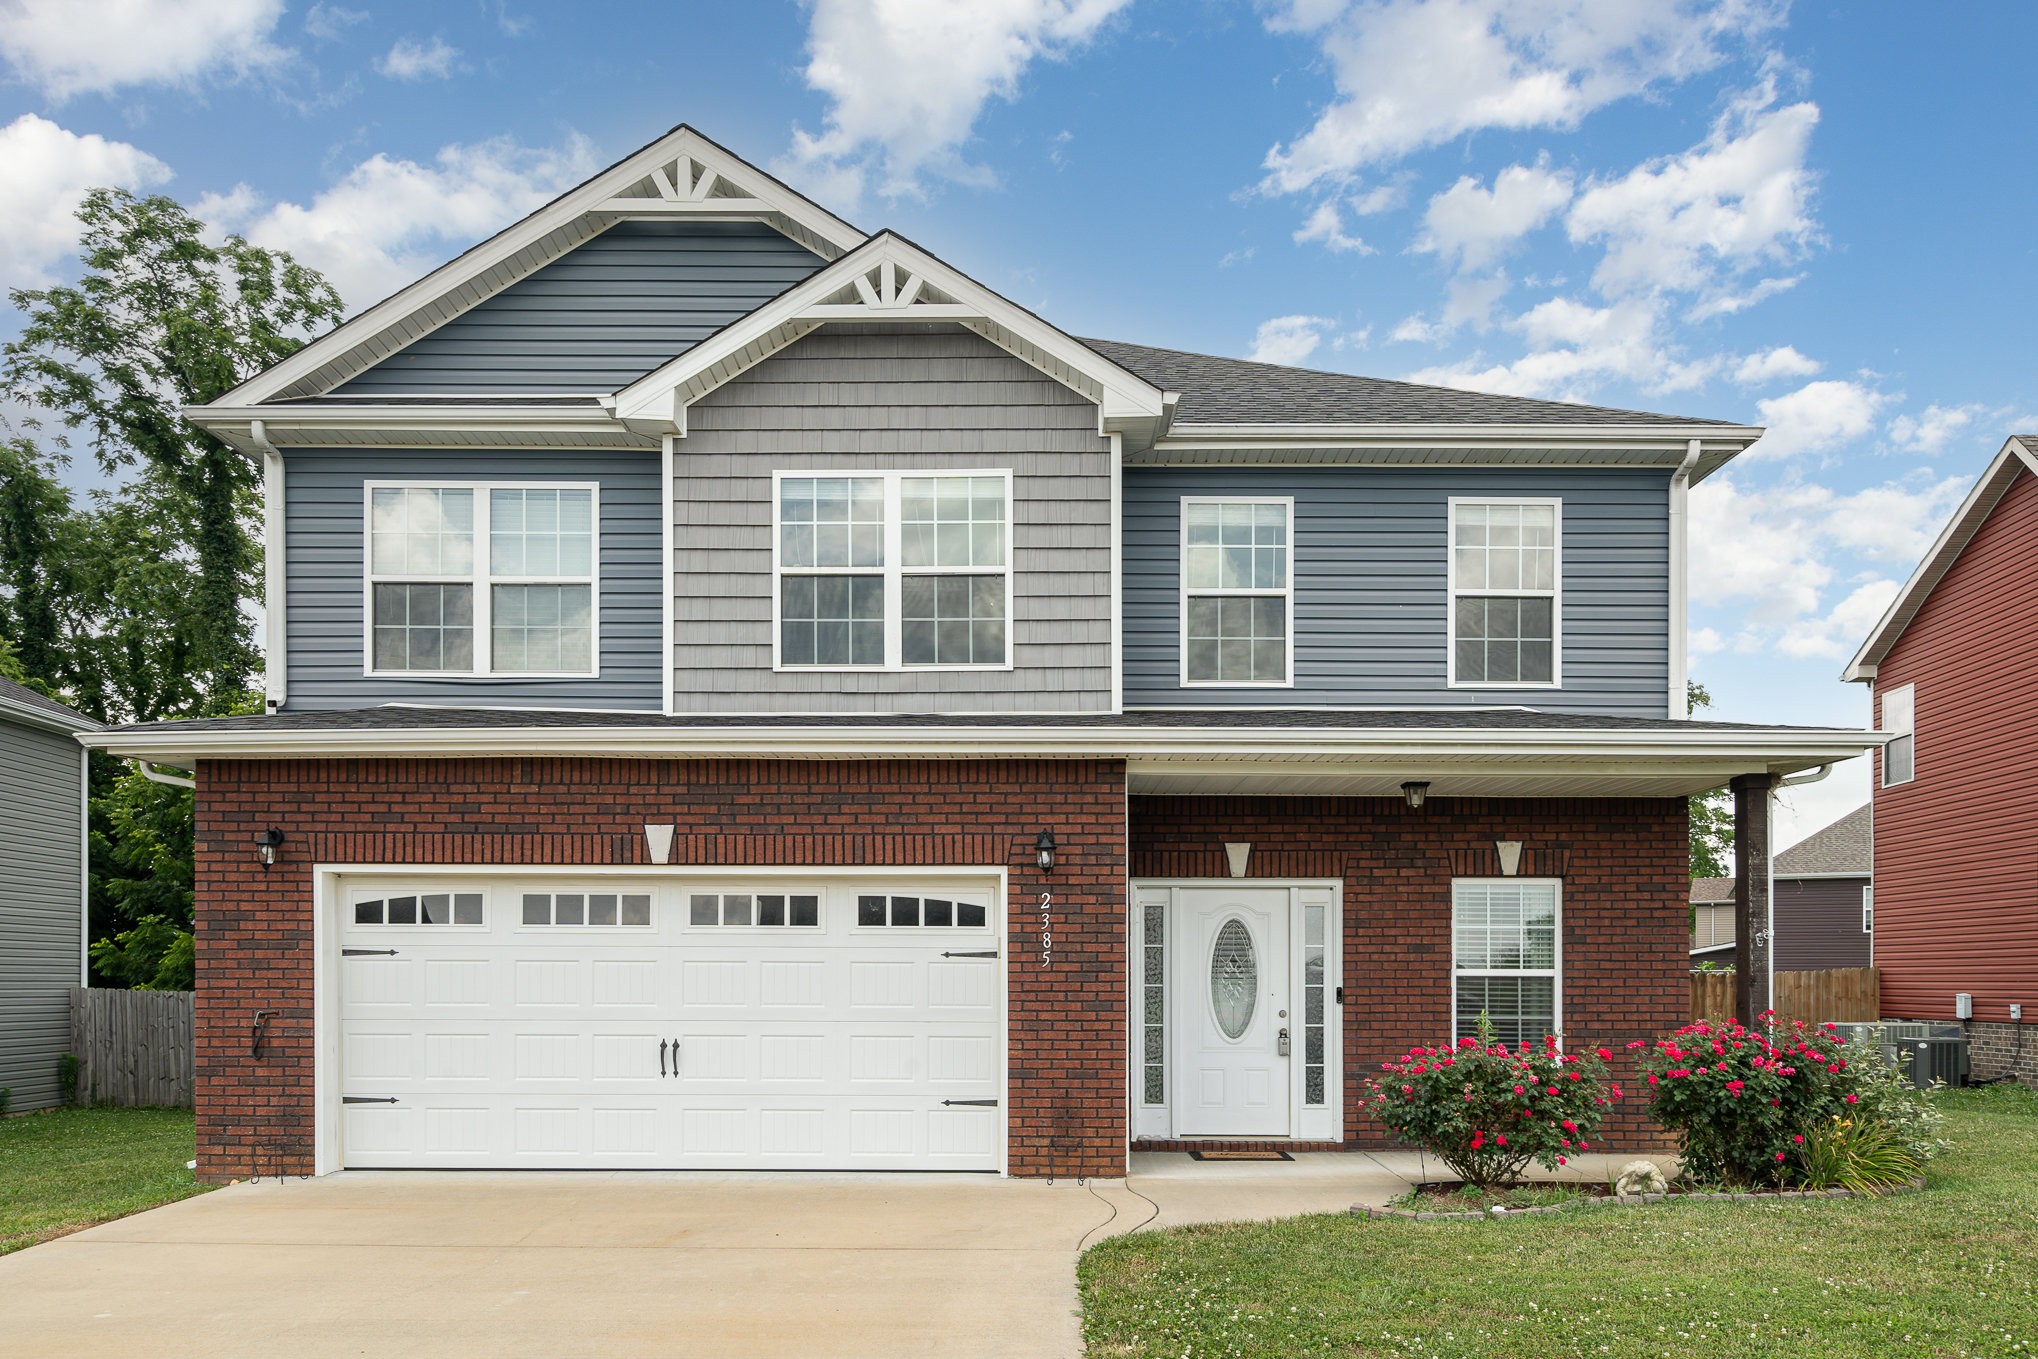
(1846,846)
(1220,391)
(29,698)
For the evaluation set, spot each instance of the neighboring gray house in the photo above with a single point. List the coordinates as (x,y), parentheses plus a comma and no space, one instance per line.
(1824,903)
(42,890)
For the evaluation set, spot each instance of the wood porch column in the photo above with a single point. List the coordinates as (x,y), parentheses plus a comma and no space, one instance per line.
(1751,896)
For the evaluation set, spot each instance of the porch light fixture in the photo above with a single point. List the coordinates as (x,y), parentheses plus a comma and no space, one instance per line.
(1416,791)
(1043,850)
(265,846)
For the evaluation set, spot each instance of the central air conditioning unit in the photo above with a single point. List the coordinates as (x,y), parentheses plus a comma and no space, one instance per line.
(1933,1060)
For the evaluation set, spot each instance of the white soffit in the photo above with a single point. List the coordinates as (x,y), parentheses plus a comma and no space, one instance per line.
(890,279)
(2015,459)
(682,174)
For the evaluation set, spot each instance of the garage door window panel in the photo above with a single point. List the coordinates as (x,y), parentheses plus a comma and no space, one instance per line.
(426,908)
(762,910)
(880,911)
(621,910)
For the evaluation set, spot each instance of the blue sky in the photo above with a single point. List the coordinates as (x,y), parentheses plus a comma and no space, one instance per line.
(1813,217)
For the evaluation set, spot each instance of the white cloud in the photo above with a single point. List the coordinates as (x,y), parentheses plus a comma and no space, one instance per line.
(1470,226)
(1725,302)
(1418,330)
(1325,225)
(1289,339)
(1772,365)
(1705,642)
(329,23)
(906,80)
(388,221)
(45,171)
(1573,346)
(412,60)
(1740,198)
(1412,74)
(70,47)
(1817,416)
(1380,198)
(1930,432)
(1774,552)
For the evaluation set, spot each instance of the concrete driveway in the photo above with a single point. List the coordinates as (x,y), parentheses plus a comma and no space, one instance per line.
(442,1264)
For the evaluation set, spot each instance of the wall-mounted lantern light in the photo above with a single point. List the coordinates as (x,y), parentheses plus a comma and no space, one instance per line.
(1043,850)
(1416,791)
(265,846)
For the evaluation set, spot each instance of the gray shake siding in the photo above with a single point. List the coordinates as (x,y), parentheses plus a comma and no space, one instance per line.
(39,906)
(1818,923)
(323,507)
(1370,590)
(600,316)
(876,399)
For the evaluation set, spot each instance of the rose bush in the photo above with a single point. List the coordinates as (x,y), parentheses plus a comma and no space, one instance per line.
(1766,1105)
(1486,1110)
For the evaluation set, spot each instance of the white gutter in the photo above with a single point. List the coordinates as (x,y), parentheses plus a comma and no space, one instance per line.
(1680,592)
(1809,776)
(276,661)
(182,741)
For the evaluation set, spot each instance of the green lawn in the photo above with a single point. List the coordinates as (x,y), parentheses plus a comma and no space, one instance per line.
(63,1169)
(1949,1272)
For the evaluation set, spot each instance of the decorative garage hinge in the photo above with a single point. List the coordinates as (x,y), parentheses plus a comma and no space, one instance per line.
(972,1103)
(981,953)
(367,1099)
(367,953)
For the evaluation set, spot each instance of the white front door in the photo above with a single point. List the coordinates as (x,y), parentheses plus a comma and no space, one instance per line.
(1234,1022)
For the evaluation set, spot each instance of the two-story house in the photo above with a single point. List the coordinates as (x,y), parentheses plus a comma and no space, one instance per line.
(744,694)
(1952,666)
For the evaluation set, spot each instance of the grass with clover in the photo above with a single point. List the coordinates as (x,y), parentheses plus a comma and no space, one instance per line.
(1944,1274)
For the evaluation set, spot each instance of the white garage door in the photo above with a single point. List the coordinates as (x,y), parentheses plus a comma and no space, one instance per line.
(554,1022)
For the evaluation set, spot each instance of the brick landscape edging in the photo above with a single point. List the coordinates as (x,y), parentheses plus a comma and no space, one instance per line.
(1360,1210)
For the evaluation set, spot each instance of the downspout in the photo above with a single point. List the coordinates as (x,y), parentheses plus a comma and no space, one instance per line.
(155,775)
(275,669)
(1680,671)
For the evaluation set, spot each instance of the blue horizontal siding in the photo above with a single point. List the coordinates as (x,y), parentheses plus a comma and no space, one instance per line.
(600,316)
(1370,587)
(323,576)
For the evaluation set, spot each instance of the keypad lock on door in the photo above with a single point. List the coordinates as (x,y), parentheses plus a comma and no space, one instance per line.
(1283,1043)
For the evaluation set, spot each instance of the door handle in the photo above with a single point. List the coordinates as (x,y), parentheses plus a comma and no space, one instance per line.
(661,1057)
(675,1056)
(1283,1045)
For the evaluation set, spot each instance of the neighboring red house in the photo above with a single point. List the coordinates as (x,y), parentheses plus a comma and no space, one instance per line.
(1820,905)
(1954,670)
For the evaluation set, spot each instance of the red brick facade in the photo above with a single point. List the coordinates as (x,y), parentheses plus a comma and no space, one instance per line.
(1626,929)
(255,950)
(1622,862)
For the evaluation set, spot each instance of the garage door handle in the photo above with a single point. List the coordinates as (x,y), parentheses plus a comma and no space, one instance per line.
(988,953)
(972,1103)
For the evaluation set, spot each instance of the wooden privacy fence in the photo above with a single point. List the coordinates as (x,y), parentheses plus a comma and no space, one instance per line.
(134,1047)
(1843,995)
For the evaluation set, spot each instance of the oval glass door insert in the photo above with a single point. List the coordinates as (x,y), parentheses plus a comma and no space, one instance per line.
(1234,978)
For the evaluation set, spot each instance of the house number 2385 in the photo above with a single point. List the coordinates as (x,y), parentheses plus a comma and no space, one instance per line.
(1047,929)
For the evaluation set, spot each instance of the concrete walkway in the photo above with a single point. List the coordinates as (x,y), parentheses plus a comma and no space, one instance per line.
(617,1265)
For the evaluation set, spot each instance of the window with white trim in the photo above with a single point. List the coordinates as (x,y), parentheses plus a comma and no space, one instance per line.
(1868,909)
(624,910)
(1505,957)
(421,908)
(1900,715)
(1505,574)
(481,580)
(892,570)
(1236,586)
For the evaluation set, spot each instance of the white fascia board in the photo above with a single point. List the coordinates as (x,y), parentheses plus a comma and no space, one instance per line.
(1974,511)
(658,398)
(591,197)
(234,424)
(1260,746)
(1718,443)
(68,724)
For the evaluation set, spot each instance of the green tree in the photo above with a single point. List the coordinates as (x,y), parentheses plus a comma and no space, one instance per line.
(41,553)
(1712,815)
(160,320)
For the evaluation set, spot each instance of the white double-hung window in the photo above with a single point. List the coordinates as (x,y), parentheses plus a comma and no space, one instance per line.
(1900,716)
(1237,570)
(481,579)
(1505,957)
(1506,586)
(894,570)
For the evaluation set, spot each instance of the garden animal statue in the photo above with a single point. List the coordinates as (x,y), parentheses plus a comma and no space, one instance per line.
(1639,1177)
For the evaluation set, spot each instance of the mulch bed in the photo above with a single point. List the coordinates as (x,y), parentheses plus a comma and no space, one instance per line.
(1602,1196)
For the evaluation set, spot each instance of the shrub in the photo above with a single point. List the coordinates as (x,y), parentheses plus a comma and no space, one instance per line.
(1486,1111)
(1785,1103)
(67,1078)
